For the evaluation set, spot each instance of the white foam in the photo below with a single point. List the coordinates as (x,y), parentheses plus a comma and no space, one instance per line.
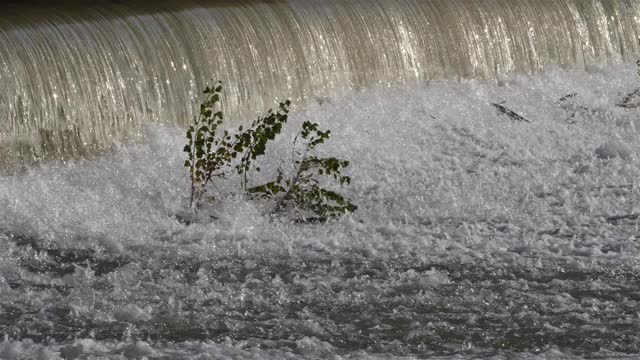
(435,170)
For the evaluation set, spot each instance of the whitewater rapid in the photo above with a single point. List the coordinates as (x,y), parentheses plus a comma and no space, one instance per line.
(476,235)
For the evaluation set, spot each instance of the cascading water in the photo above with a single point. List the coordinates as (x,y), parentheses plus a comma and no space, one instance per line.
(75,76)
(478,234)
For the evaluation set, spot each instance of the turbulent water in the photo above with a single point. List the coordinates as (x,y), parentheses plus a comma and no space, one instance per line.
(498,213)
(477,236)
(78,75)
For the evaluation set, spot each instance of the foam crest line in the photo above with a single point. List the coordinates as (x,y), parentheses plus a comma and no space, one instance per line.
(79,75)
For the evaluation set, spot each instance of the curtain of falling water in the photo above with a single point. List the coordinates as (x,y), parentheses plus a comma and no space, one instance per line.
(83,75)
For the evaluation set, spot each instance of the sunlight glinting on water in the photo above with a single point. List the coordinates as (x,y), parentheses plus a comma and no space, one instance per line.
(80,76)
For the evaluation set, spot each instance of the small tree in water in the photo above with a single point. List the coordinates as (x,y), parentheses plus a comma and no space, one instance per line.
(215,153)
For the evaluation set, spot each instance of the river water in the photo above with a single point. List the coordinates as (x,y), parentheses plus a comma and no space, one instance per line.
(477,236)
(76,76)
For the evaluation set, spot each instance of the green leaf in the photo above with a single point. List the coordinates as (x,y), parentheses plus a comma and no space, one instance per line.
(212,154)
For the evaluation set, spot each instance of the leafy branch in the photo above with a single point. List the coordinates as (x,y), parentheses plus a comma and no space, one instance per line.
(212,153)
(303,190)
(215,153)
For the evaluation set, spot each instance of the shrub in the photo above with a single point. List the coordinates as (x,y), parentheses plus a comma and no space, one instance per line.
(302,190)
(215,153)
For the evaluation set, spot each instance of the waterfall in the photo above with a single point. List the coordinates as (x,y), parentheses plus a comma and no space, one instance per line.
(82,75)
